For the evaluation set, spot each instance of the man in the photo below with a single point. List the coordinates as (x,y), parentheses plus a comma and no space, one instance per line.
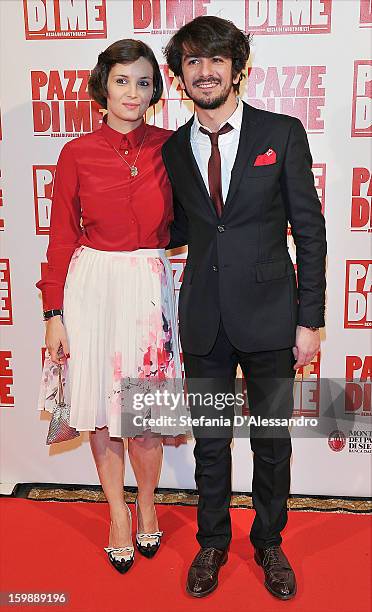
(239,175)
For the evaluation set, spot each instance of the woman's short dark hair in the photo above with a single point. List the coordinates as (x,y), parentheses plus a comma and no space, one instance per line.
(208,36)
(124,51)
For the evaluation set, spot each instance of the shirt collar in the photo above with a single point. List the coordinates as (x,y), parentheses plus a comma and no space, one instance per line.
(235,120)
(123,141)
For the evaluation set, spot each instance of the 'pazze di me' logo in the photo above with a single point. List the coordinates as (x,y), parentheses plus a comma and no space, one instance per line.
(361,201)
(358,296)
(358,385)
(165,16)
(288,17)
(174,108)
(6,312)
(361,122)
(6,380)
(61,105)
(365,14)
(43,178)
(45,19)
(292,90)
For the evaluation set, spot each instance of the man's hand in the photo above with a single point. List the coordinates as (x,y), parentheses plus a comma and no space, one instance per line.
(307,346)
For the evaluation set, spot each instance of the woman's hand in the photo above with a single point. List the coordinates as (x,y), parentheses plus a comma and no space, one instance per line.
(56,340)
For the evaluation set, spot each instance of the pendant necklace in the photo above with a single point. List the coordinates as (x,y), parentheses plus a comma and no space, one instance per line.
(133,168)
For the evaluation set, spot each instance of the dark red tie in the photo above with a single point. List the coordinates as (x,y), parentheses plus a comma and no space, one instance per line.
(214,167)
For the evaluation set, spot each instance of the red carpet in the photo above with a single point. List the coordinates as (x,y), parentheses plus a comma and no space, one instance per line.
(56,546)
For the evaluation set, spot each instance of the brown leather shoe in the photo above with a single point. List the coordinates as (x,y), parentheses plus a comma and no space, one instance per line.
(203,573)
(280,579)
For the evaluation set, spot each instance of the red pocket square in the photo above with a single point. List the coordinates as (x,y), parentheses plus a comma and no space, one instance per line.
(266,159)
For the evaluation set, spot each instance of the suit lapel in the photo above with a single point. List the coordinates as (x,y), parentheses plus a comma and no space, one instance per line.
(248,137)
(190,162)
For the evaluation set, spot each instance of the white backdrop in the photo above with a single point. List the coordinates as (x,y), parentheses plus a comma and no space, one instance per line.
(310,58)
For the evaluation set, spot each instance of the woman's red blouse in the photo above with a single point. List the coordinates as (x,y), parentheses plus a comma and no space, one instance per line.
(98,204)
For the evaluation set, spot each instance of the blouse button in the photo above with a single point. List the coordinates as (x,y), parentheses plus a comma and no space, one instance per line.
(126,152)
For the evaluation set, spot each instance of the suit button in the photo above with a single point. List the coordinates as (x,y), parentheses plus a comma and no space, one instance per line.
(215,268)
(221,228)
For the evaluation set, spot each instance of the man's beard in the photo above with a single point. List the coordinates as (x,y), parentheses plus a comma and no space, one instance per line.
(211,103)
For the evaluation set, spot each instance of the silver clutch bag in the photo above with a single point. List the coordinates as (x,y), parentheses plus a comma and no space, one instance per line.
(59,426)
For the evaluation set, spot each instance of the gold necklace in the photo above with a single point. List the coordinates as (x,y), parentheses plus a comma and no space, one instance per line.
(133,168)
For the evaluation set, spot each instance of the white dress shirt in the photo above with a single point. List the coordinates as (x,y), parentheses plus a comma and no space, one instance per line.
(227,144)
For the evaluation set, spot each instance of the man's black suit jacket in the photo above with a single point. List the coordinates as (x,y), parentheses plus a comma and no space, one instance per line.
(238,267)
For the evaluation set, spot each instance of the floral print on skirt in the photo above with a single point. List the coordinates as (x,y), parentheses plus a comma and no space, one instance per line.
(120,319)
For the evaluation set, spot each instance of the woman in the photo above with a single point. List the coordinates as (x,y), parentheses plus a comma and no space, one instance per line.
(108,293)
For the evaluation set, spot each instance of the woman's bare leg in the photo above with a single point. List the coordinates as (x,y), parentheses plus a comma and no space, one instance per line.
(108,454)
(146,455)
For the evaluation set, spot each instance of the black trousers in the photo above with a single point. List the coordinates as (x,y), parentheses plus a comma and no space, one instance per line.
(269,379)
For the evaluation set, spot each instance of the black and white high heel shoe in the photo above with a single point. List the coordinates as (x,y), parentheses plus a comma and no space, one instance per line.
(147,544)
(121,558)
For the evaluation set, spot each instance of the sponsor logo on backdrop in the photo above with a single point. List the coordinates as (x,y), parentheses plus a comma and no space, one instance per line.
(165,16)
(361,201)
(175,108)
(178,266)
(307,389)
(298,91)
(61,105)
(337,440)
(360,441)
(361,121)
(358,385)
(6,380)
(288,17)
(45,19)
(43,178)
(319,172)
(365,13)
(358,297)
(6,313)
(2,225)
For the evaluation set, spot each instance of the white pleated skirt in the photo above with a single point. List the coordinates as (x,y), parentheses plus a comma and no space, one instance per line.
(120,319)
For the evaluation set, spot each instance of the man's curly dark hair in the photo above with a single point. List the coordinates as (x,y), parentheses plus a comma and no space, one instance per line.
(208,36)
